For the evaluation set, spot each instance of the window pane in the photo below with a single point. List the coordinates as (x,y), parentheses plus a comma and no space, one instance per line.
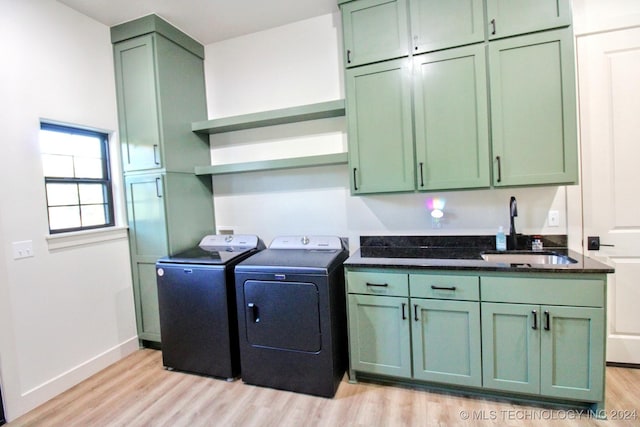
(91,194)
(62,194)
(93,215)
(88,168)
(57,165)
(86,146)
(64,217)
(53,142)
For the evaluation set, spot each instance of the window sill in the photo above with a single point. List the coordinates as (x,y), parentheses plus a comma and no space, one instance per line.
(84,238)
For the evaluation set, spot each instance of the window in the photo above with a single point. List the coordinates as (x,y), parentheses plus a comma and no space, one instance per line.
(77,178)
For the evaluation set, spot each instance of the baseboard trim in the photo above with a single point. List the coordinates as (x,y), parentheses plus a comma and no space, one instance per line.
(623,365)
(51,388)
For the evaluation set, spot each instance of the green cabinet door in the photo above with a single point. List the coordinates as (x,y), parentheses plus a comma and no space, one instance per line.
(446,341)
(148,242)
(437,24)
(511,17)
(146,215)
(572,353)
(137,103)
(451,119)
(533,109)
(380,127)
(145,292)
(160,90)
(374,30)
(379,336)
(511,347)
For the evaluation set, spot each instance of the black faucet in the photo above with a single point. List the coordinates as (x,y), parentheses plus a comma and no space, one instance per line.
(513,212)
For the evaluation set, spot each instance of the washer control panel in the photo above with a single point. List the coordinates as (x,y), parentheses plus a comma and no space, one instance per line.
(229,241)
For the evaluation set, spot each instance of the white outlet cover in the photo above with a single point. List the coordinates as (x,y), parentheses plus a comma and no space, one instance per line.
(554,219)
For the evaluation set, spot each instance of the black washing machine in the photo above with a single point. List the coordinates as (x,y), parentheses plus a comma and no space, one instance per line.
(196,298)
(292,315)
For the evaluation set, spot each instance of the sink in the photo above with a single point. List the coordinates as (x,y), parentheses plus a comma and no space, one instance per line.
(524,258)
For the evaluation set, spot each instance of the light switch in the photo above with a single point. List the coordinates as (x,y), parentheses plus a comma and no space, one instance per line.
(554,219)
(23,249)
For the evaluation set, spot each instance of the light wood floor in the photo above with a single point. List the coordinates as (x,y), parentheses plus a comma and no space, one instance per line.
(137,391)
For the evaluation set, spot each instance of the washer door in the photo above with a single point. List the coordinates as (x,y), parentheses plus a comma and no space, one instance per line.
(282,315)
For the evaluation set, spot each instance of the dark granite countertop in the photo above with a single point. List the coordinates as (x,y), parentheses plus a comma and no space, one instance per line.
(464,253)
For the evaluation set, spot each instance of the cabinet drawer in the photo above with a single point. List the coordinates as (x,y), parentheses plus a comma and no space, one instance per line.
(552,291)
(445,287)
(360,282)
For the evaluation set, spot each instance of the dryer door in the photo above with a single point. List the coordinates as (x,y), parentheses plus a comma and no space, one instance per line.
(282,315)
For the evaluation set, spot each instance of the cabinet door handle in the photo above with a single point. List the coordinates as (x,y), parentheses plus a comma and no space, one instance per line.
(421,175)
(415,312)
(404,315)
(499,169)
(493,27)
(158,188)
(254,312)
(378,285)
(348,56)
(355,179)
(547,320)
(155,154)
(535,319)
(443,288)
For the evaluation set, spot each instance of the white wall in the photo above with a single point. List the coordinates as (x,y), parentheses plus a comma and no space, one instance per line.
(68,311)
(301,64)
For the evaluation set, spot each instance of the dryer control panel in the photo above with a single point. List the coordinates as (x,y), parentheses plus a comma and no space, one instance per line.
(306,242)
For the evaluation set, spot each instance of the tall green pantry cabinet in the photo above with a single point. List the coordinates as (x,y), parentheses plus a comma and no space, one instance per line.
(160,90)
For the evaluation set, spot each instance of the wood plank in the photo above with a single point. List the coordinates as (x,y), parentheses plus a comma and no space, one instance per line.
(137,391)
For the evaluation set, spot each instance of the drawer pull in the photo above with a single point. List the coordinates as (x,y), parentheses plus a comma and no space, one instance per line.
(535,319)
(381,285)
(415,312)
(443,288)
(404,315)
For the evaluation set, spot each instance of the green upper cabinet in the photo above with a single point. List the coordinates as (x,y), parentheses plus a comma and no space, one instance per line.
(380,127)
(374,30)
(437,24)
(533,109)
(139,128)
(450,89)
(511,17)
(160,89)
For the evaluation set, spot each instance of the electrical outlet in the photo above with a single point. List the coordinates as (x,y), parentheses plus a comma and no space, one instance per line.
(554,219)
(23,249)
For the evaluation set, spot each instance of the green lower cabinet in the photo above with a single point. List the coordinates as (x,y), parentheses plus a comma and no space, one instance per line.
(554,351)
(167,213)
(446,341)
(379,336)
(510,347)
(146,298)
(572,357)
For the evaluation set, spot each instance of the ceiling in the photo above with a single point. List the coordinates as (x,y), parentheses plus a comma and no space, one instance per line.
(207,21)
